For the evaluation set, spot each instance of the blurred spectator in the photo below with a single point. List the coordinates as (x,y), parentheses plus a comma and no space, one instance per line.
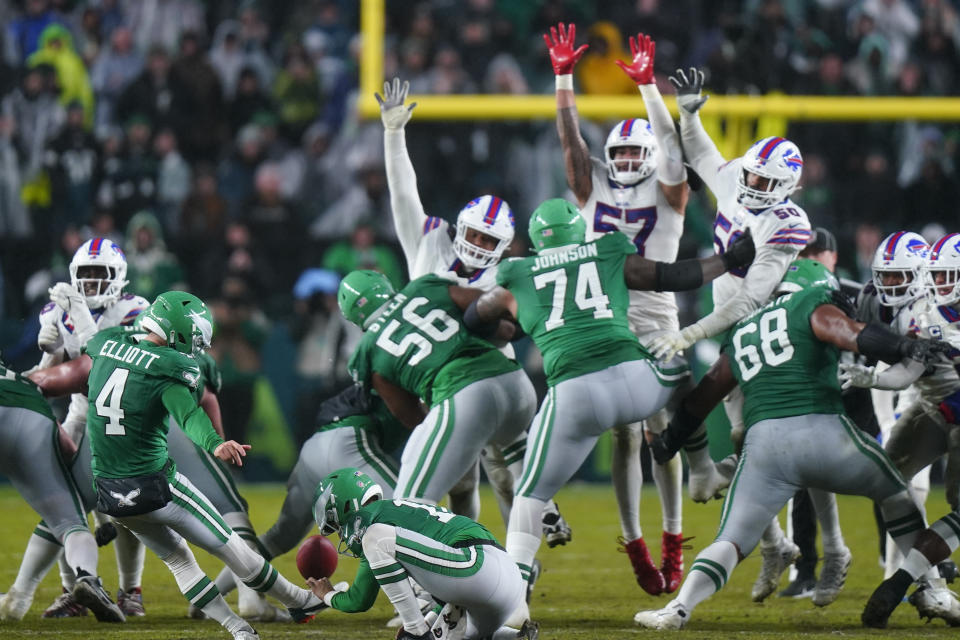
(155,94)
(316,190)
(899,25)
(448,76)
(33,118)
(111,17)
(116,67)
(161,23)
(597,72)
(22,35)
(867,237)
(226,56)
(13,215)
(367,202)
(151,269)
(102,225)
(273,222)
(129,182)
(200,133)
(237,253)
(248,100)
(235,175)
(297,94)
(56,49)
(173,178)
(363,252)
(203,214)
(869,71)
(72,161)
(875,190)
(89,35)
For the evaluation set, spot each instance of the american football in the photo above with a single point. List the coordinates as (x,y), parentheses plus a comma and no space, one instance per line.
(317,557)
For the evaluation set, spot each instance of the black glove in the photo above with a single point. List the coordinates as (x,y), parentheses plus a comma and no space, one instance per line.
(105,534)
(352,401)
(740,253)
(924,350)
(689,86)
(842,300)
(662,454)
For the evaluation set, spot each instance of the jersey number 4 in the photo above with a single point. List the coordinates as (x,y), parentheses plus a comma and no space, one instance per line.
(775,347)
(108,402)
(588,294)
(437,325)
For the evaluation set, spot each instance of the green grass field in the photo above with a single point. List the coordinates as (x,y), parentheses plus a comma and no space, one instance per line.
(587,590)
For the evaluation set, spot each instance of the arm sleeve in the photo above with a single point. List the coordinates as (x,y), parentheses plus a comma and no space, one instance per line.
(670,169)
(699,149)
(900,375)
(763,277)
(408,214)
(178,400)
(362,593)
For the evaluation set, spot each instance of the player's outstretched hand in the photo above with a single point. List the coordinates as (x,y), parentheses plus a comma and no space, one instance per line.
(66,296)
(560,41)
(393,113)
(231,451)
(640,67)
(857,375)
(669,343)
(320,586)
(689,86)
(48,338)
(741,253)
(926,351)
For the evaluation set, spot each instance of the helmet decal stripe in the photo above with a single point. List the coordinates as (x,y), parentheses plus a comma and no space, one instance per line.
(492,210)
(95,246)
(890,250)
(768,148)
(626,127)
(942,241)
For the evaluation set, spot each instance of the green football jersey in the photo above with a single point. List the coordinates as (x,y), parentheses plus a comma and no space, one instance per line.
(783,369)
(126,419)
(209,375)
(573,304)
(17,391)
(420,344)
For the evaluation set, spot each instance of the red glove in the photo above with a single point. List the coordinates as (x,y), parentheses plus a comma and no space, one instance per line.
(560,45)
(640,69)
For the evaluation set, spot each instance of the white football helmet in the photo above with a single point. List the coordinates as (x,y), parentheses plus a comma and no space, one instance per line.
(635,132)
(944,262)
(902,253)
(776,159)
(490,215)
(98,270)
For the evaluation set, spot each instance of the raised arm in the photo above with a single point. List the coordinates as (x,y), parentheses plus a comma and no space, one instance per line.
(211,406)
(408,214)
(671,172)
(700,151)
(643,274)
(576,155)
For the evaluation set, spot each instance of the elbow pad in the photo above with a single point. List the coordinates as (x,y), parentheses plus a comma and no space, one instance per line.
(678,276)
(484,329)
(878,342)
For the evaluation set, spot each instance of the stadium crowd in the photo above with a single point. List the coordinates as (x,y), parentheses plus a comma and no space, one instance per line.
(217,143)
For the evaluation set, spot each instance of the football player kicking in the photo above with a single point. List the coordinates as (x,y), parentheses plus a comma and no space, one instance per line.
(136,381)
(93,299)
(470,254)
(784,357)
(456,559)
(31,458)
(640,189)
(415,347)
(753,192)
(572,299)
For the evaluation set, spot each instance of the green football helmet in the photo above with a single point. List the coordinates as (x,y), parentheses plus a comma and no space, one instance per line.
(340,494)
(362,294)
(804,273)
(556,223)
(182,319)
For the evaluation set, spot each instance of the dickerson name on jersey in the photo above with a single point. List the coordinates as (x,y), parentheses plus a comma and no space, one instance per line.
(126,353)
(555,259)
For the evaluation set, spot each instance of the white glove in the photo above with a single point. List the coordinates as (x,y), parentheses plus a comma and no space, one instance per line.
(65,296)
(668,344)
(857,375)
(49,338)
(392,112)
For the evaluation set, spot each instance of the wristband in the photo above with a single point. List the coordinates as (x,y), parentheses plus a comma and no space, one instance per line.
(328,597)
(565,81)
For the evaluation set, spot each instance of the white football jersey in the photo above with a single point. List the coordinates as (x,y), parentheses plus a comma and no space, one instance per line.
(783,227)
(435,255)
(123,312)
(641,213)
(938,323)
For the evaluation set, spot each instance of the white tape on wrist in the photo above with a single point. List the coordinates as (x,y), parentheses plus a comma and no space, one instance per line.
(565,81)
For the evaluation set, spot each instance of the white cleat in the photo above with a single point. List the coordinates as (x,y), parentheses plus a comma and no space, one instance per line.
(707,482)
(935,600)
(672,616)
(518,617)
(246,634)
(833,575)
(775,562)
(14,605)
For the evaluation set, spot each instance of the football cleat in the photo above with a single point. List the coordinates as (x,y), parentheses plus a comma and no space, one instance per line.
(131,602)
(308,611)
(89,592)
(802,587)
(246,634)
(948,570)
(671,560)
(884,599)
(529,631)
(775,562)
(65,606)
(935,600)
(672,616)
(13,605)
(648,575)
(833,575)
(403,634)
(556,531)
(535,570)
(708,482)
